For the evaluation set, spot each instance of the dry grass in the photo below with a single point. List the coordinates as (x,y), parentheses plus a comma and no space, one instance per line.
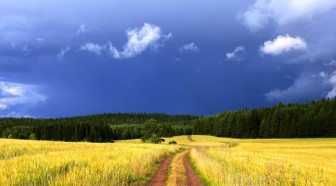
(269,162)
(252,162)
(177,174)
(59,163)
(199,140)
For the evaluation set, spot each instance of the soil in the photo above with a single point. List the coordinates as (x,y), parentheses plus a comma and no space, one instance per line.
(193,178)
(161,176)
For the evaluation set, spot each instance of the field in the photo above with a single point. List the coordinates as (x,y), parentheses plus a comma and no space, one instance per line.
(224,161)
(268,162)
(60,163)
(219,161)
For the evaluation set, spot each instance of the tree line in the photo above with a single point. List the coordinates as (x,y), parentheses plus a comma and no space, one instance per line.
(314,119)
(94,128)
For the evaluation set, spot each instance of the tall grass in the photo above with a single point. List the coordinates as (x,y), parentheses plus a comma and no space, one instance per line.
(269,162)
(177,173)
(221,161)
(60,163)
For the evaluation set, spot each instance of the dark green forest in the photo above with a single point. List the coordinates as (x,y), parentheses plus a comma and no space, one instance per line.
(94,128)
(314,119)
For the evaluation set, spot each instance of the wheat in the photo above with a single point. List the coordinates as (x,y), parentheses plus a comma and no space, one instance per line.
(60,163)
(269,162)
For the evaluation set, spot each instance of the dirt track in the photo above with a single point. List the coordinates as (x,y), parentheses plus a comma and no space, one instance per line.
(161,176)
(192,177)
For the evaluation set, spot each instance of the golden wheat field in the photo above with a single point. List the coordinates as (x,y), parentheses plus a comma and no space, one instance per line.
(266,161)
(219,161)
(60,163)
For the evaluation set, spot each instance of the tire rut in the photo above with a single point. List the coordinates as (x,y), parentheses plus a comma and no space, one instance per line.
(192,177)
(162,174)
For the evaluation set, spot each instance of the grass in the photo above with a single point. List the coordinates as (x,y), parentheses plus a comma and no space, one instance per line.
(199,140)
(177,170)
(60,163)
(219,161)
(268,162)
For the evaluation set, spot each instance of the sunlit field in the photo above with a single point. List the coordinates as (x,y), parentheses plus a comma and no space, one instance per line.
(200,140)
(219,161)
(267,162)
(59,163)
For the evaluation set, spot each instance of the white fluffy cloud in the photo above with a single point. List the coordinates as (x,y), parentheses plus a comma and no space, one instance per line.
(139,40)
(14,90)
(61,54)
(283,44)
(93,47)
(236,54)
(191,47)
(264,12)
(13,94)
(113,51)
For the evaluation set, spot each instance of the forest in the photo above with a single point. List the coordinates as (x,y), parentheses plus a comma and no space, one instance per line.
(313,119)
(94,128)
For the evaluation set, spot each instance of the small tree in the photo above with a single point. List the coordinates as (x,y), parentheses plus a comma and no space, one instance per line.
(155,139)
(151,132)
(32,136)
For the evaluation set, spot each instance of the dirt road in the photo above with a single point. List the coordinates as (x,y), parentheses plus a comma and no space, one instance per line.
(182,175)
(193,178)
(161,175)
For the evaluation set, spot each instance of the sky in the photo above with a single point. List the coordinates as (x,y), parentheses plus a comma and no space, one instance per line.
(66,58)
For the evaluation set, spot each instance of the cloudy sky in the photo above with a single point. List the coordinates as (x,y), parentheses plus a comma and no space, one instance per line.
(63,58)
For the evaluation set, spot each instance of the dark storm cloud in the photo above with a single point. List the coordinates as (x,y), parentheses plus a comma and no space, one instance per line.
(46,49)
(310,21)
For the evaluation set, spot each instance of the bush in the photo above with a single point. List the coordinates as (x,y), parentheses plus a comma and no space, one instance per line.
(172,142)
(32,136)
(155,139)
